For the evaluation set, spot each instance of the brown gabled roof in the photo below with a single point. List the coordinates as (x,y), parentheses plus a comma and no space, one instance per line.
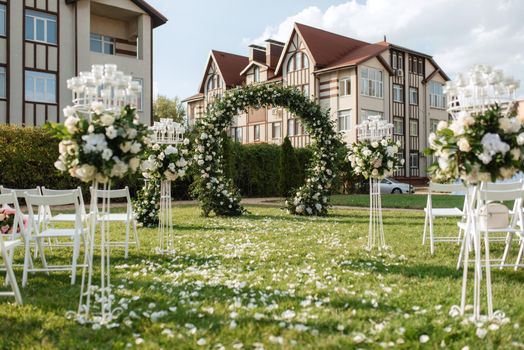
(230,66)
(195,97)
(357,56)
(157,19)
(327,47)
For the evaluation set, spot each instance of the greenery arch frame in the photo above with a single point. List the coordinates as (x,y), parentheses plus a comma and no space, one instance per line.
(217,194)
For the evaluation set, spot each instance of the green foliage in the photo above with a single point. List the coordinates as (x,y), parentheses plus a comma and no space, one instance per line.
(147,204)
(171,108)
(289,169)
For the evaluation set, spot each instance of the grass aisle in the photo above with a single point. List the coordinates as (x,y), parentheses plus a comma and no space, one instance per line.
(273,281)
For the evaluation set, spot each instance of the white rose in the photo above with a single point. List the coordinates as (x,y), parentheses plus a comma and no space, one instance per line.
(107,119)
(442,125)
(520,139)
(374,172)
(86,172)
(111,132)
(97,107)
(374,144)
(134,163)
(515,153)
(60,165)
(135,147)
(507,173)
(384,143)
(70,124)
(126,146)
(484,177)
(69,111)
(318,206)
(170,150)
(107,154)
(161,156)
(463,145)
(443,163)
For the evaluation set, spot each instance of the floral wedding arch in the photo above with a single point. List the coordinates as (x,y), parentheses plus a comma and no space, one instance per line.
(217,193)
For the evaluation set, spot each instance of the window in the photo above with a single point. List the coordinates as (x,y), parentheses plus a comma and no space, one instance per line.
(398,126)
(40,26)
(398,93)
(2,82)
(102,44)
(437,98)
(213,82)
(40,87)
(305,90)
(420,66)
(276,131)
(305,63)
(256,132)
(413,160)
(371,82)
(3,20)
(291,127)
(413,96)
(236,133)
(291,64)
(433,124)
(140,98)
(345,86)
(413,128)
(298,60)
(366,113)
(344,120)
(256,74)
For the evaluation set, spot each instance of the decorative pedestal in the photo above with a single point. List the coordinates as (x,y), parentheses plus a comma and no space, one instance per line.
(100,310)
(376,228)
(165,222)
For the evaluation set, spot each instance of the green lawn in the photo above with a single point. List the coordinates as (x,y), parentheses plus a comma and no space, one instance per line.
(270,280)
(405,201)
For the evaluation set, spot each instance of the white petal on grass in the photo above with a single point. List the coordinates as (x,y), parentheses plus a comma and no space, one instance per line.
(424,338)
(481,333)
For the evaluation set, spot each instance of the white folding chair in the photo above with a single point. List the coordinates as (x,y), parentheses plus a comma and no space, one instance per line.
(37,233)
(51,219)
(8,244)
(432,213)
(128,218)
(476,230)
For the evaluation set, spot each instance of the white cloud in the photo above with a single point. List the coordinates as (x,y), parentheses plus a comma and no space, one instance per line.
(458,34)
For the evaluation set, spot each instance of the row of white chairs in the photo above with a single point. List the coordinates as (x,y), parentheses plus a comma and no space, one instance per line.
(36,228)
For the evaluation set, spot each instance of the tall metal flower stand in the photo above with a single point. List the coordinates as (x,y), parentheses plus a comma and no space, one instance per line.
(376,227)
(100,310)
(165,222)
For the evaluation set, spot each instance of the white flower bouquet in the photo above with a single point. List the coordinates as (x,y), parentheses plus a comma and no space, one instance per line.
(375,159)
(99,145)
(478,147)
(166,162)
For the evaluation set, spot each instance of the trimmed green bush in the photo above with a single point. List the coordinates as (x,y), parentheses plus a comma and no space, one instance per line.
(289,169)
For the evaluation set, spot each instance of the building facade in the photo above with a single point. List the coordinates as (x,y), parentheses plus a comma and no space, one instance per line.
(351,78)
(45,42)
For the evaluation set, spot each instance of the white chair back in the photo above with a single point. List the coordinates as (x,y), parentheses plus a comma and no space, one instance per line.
(77,191)
(446,188)
(515,185)
(19,192)
(49,201)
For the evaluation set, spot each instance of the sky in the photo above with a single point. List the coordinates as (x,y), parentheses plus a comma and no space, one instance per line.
(457,33)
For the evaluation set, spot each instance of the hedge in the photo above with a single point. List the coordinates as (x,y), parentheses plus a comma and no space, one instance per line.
(27,156)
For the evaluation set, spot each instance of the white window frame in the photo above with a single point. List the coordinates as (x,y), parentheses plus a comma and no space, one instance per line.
(305,90)
(305,61)
(413,96)
(433,124)
(291,127)
(291,61)
(437,99)
(344,120)
(366,113)
(103,39)
(3,82)
(46,18)
(40,76)
(256,132)
(274,127)
(412,156)
(343,86)
(413,128)
(397,93)
(140,101)
(397,120)
(3,13)
(256,74)
(371,82)
(238,134)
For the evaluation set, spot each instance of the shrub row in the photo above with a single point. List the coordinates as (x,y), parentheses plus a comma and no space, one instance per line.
(259,170)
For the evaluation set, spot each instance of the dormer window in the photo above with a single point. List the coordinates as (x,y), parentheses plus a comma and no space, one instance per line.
(256,74)
(291,64)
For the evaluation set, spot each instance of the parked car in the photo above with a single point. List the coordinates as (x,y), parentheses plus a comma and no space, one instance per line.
(388,185)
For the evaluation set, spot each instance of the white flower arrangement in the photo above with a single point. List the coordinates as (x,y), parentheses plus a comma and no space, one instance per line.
(166,162)
(100,144)
(374,159)
(478,146)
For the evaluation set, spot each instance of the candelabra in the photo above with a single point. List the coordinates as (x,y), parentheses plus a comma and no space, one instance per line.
(166,132)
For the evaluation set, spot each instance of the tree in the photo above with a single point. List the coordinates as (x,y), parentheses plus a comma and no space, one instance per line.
(290,169)
(172,108)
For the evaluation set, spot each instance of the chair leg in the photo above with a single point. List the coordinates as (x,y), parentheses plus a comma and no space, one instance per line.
(488,277)
(462,249)
(27,259)
(425,228)
(42,255)
(126,243)
(76,253)
(509,239)
(519,257)
(431,239)
(464,274)
(10,256)
(12,278)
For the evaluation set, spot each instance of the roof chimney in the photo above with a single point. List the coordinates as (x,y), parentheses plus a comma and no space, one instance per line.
(273,51)
(257,53)
(385,38)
